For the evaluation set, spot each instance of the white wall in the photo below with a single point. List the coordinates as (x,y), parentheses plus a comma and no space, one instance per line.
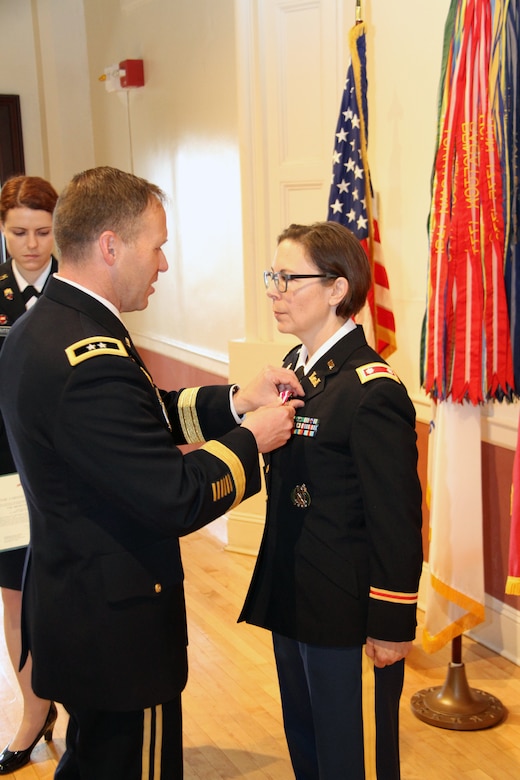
(179,131)
(43,59)
(18,76)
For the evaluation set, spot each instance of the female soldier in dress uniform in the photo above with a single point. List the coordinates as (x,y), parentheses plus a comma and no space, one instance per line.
(341,556)
(26,207)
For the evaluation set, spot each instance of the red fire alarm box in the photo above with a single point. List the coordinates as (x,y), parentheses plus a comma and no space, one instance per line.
(131,73)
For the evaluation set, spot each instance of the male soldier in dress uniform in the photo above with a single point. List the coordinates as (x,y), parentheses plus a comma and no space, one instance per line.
(108,491)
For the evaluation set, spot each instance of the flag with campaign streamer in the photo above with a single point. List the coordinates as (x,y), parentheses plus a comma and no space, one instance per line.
(466,352)
(351,200)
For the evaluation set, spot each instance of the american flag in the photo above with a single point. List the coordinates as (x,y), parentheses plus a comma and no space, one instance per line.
(351,199)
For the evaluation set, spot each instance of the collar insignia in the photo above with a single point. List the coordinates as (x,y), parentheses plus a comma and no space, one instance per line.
(314,380)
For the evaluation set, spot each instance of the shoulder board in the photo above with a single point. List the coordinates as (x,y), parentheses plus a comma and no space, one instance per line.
(375,371)
(97,345)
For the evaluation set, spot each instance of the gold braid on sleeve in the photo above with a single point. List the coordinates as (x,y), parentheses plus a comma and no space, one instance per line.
(188,417)
(236,476)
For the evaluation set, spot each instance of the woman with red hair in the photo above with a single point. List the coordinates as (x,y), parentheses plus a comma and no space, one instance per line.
(26,207)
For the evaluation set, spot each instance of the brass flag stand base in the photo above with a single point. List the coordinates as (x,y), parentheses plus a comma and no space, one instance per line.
(455,705)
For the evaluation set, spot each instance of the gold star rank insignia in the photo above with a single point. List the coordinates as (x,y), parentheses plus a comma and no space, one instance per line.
(92,347)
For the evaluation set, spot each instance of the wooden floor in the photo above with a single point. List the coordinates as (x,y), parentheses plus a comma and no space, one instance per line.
(232,724)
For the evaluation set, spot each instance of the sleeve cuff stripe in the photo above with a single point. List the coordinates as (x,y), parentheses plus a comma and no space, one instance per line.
(393,597)
(234,464)
(188,417)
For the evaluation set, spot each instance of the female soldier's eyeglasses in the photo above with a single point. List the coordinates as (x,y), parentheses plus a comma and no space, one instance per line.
(280,278)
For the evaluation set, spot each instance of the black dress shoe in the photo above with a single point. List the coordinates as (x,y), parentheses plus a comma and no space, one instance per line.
(11,760)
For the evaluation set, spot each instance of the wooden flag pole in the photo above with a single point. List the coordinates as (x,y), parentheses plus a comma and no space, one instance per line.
(455,705)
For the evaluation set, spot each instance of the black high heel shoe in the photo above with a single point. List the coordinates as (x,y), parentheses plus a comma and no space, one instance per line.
(11,760)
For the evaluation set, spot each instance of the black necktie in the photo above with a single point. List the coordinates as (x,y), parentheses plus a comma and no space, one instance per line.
(299,372)
(30,292)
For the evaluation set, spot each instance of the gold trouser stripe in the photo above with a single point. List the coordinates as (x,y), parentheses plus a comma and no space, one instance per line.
(369,716)
(188,417)
(147,743)
(234,464)
(158,742)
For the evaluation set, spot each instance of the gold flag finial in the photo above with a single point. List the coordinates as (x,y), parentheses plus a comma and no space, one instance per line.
(358,12)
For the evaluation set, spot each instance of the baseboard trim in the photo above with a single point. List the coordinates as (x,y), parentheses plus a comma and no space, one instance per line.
(244,532)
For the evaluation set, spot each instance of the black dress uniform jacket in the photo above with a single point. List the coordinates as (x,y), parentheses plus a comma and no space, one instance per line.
(12,306)
(341,554)
(109,494)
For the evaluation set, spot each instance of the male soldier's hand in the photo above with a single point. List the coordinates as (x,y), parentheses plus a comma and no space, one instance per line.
(265,389)
(272,425)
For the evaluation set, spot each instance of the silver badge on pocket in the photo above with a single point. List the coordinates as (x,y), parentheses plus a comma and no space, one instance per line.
(301,497)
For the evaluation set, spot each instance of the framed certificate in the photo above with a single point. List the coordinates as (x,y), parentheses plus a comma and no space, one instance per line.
(14,517)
